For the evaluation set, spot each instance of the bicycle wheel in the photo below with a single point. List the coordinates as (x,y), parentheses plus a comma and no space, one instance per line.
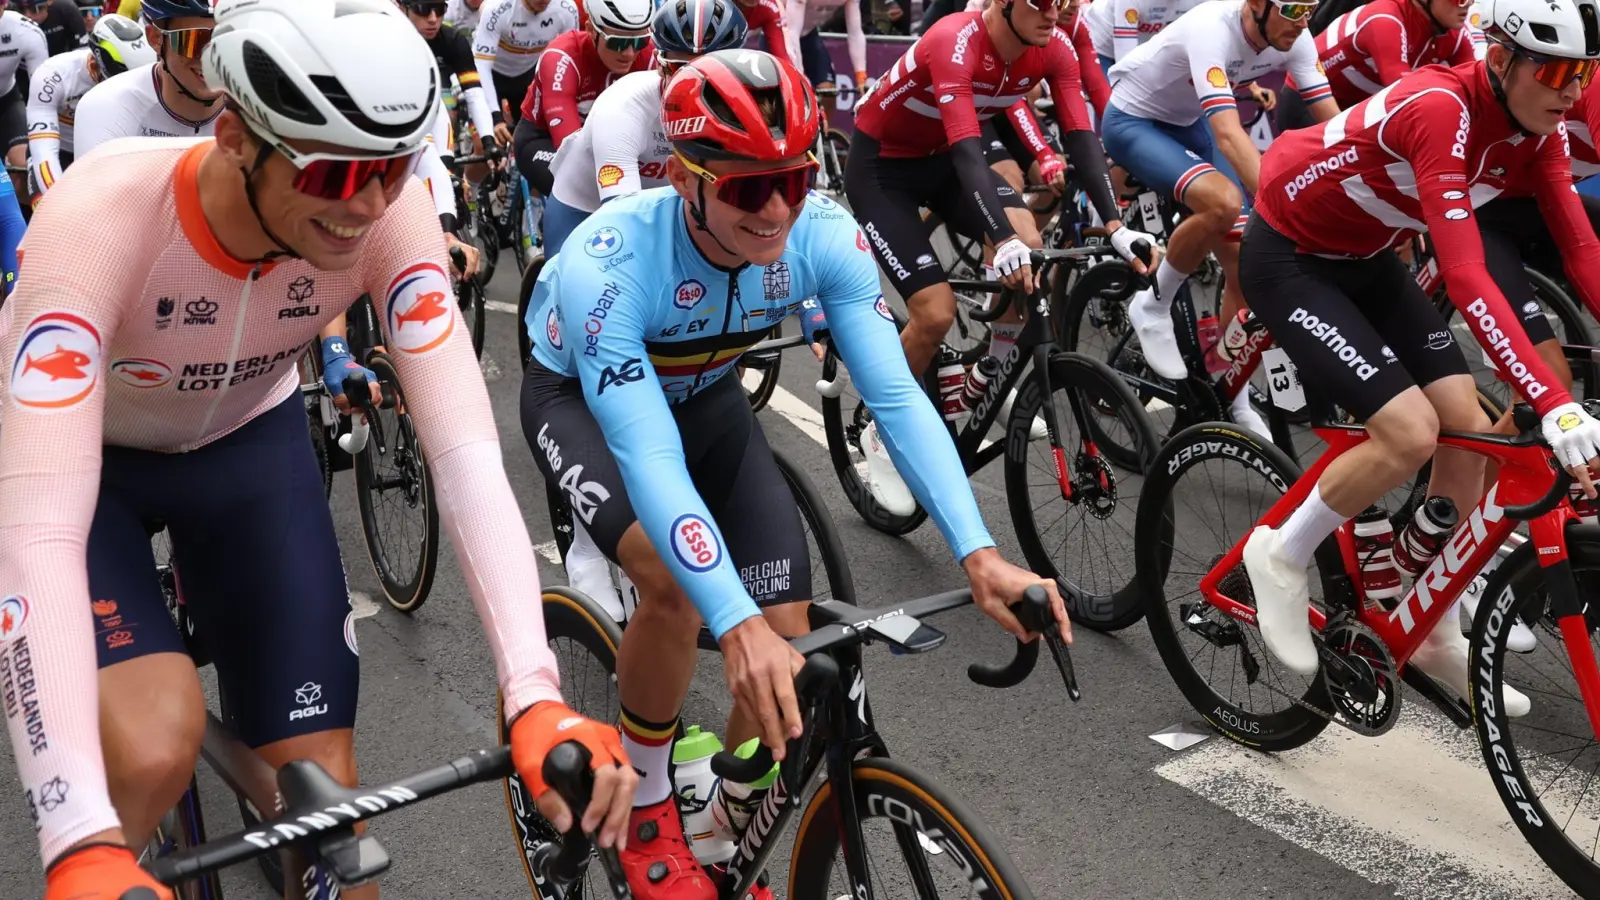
(395,494)
(759,373)
(962,259)
(834,156)
(183,828)
(1566,318)
(584,640)
(822,538)
(469,296)
(1084,541)
(947,851)
(1542,764)
(1209,485)
(530,276)
(849,462)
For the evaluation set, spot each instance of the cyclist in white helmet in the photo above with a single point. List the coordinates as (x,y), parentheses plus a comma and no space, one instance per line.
(116,45)
(167,99)
(193,416)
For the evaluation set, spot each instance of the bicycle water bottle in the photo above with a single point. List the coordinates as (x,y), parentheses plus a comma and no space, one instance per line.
(694,783)
(1209,331)
(977,383)
(1374,539)
(1425,535)
(1235,337)
(952,377)
(736,803)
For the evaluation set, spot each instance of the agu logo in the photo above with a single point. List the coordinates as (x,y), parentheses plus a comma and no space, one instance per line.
(1216,77)
(58,362)
(604,242)
(141,373)
(695,544)
(689,294)
(419,308)
(13,612)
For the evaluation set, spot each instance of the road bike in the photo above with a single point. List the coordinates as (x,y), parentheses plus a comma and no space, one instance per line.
(1213,483)
(868,808)
(1068,484)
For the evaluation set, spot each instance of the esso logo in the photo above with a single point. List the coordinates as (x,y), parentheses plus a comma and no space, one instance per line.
(695,544)
(689,294)
(552,328)
(883,309)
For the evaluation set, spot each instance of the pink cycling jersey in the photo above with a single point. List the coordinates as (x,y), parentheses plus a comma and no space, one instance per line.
(1419,156)
(1374,45)
(953,80)
(161,341)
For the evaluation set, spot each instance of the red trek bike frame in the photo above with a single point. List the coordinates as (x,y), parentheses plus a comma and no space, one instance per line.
(1524,481)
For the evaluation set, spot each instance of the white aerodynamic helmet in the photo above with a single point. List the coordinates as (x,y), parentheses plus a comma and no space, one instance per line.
(1563,28)
(353,73)
(117,44)
(620,15)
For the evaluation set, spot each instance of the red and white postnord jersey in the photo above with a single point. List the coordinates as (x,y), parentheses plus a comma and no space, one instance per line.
(1376,44)
(953,80)
(1418,156)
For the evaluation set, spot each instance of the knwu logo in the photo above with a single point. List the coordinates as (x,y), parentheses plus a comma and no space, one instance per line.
(307,696)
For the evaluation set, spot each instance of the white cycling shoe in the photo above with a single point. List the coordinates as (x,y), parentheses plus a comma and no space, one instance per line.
(1443,657)
(1520,640)
(884,483)
(1036,430)
(1157,340)
(1283,601)
(589,572)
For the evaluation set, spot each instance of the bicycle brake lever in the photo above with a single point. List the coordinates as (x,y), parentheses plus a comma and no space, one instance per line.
(1063,657)
(1034,614)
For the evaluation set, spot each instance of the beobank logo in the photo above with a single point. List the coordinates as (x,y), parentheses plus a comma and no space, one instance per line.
(1318,169)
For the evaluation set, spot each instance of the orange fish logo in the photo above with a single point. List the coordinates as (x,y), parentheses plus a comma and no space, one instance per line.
(141,373)
(57,363)
(13,613)
(62,363)
(419,308)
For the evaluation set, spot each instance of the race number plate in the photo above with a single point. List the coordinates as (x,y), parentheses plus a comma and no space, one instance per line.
(1283,380)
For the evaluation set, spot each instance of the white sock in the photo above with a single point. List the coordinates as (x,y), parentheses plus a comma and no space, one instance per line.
(1002,337)
(583,549)
(1308,527)
(1168,280)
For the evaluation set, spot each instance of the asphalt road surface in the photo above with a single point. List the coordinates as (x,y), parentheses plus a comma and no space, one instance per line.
(1088,805)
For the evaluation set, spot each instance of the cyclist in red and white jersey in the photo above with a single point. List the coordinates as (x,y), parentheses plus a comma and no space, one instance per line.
(917,144)
(1417,156)
(769,18)
(1371,46)
(1095,84)
(153,378)
(506,45)
(572,72)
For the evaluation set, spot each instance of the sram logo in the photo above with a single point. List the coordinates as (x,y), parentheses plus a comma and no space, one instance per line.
(1449,563)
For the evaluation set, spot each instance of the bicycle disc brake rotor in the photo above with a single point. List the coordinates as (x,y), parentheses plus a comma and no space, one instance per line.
(1095,485)
(1365,691)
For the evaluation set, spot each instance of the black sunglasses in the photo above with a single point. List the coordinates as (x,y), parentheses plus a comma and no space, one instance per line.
(425,9)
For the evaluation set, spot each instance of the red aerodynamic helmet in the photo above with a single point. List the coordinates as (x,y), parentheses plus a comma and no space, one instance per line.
(711,108)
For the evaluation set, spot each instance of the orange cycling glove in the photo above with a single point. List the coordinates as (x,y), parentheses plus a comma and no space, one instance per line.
(101,872)
(544,725)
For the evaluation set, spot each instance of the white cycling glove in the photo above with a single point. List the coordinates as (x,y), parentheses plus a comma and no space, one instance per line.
(1123,239)
(1573,434)
(1011,256)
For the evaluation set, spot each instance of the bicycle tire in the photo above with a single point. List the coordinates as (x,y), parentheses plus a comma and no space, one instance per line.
(1282,730)
(840,145)
(405,591)
(889,787)
(1515,592)
(568,615)
(524,297)
(183,828)
(769,363)
(839,452)
(1110,606)
(835,564)
(319,445)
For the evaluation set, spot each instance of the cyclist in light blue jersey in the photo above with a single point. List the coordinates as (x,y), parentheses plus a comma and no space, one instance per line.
(633,411)
(12,227)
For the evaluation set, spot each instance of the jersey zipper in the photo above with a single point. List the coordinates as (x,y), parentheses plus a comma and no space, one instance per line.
(233,351)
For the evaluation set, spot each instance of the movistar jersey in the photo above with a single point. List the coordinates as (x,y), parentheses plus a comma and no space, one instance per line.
(633,310)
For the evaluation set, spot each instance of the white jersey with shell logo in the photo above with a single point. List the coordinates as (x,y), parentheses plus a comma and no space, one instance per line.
(621,148)
(53,95)
(463,16)
(22,44)
(129,105)
(510,38)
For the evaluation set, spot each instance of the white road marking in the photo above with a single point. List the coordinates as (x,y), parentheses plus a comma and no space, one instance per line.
(362,605)
(549,551)
(1414,809)
(497,306)
(808,420)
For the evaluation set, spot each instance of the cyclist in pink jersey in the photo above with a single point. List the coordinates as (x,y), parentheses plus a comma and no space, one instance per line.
(154,381)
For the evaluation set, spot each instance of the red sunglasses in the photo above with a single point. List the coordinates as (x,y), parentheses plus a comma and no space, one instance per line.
(750,191)
(340,178)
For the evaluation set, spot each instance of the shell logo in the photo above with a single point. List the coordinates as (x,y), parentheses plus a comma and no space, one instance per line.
(1132,16)
(1216,77)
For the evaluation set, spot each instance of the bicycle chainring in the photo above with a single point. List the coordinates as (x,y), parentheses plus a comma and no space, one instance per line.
(1363,680)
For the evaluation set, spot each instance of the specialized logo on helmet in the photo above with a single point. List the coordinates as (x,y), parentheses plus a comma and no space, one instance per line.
(688,125)
(604,242)
(1216,77)
(421,308)
(58,362)
(142,373)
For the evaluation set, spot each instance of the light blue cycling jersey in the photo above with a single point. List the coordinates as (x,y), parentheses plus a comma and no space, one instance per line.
(632,309)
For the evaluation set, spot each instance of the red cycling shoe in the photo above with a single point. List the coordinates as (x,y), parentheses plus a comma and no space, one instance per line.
(658,861)
(758,891)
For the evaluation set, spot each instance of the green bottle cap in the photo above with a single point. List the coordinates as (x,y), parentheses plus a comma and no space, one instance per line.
(695,744)
(747,750)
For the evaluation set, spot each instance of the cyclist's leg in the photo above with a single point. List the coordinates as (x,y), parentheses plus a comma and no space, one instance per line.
(960,211)
(152,710)
(262,576)
(1292,111)
(534,151)
(559,221)
(1226,249)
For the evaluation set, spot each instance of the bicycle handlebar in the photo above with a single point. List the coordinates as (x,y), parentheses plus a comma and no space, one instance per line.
(1034,614)
(1042,262)
(566,768)
(1552,498)
(811,684)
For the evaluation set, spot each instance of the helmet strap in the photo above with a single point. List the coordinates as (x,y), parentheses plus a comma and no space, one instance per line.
(1005,13)
(1261,21)
(1427,7)
(698,212)
(178,83)
(261,222)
